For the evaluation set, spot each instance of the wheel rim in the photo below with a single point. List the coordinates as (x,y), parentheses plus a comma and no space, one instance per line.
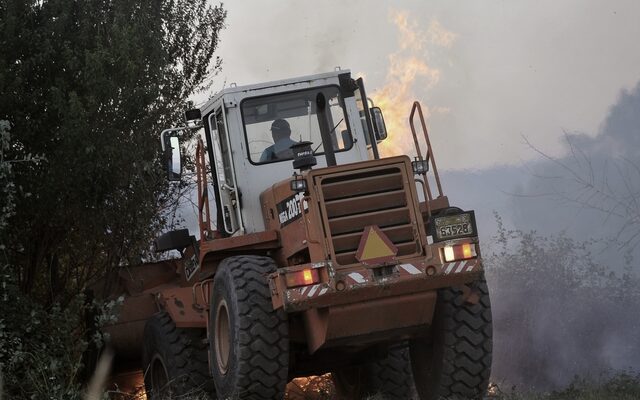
(159,378)
(222,338)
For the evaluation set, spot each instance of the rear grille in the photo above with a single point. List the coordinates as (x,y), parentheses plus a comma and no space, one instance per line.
(372,197)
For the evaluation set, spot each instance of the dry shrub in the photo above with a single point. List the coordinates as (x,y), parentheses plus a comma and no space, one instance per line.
(557,313)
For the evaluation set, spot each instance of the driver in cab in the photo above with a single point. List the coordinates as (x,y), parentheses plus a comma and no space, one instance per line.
(280,149)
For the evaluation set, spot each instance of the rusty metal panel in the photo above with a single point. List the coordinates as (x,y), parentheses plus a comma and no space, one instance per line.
(297,234)
(368,318)
(341,202)
(381,315)
(261,240)
(126,334)
(362,186)
(181,303)
(436,204)
(139,278)
(370,202)
(378,193)
(354,223)
(316,323)
(362,283)
(350,241)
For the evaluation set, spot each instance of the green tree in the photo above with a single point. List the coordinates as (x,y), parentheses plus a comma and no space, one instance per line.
(88,86)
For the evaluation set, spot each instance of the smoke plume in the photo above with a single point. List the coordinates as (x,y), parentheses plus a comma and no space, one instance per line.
(565,283)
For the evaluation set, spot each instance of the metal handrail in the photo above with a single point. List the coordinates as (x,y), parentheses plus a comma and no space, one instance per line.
(203,194)
(222,177)
(429,154)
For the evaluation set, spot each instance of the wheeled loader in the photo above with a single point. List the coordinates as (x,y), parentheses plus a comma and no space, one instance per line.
(319,257)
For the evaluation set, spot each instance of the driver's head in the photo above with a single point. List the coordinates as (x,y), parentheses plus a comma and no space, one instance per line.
(280,129)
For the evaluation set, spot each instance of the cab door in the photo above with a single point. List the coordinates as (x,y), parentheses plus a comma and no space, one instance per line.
(226,183)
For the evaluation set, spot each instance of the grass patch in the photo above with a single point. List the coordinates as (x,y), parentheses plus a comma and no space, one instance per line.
(620,387)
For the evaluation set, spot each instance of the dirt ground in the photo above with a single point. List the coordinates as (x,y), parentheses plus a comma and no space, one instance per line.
(130,386)
(311,388)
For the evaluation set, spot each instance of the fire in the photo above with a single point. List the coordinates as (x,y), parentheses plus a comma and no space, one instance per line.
(407,69)
(311,387)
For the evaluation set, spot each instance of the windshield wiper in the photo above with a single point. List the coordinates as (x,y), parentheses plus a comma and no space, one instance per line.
(330,132)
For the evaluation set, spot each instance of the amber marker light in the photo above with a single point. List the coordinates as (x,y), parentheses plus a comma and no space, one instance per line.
(307,277)
(459,252)
(466,250)
(303,277)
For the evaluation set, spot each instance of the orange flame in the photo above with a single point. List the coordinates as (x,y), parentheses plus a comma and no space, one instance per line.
(407,69)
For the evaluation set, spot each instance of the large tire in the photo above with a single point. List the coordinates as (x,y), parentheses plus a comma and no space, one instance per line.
(389,377)
(174,360)
(249,339)
(455,361)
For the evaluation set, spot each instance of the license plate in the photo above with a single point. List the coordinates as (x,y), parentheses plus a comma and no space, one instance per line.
(454,226)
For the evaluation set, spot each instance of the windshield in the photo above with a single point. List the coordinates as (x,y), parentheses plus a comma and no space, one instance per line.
(274,123)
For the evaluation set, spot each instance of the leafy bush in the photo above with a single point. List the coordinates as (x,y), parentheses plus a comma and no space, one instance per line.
(92,85)
(40,348)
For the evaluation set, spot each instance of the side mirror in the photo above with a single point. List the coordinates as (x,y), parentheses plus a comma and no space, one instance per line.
(193,117)
(379,127)
(172,157)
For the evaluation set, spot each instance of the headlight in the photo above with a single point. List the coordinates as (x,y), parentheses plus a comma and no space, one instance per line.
(420,167)
(298,184)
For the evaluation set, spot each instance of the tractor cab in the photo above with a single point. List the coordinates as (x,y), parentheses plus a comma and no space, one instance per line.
(250,130)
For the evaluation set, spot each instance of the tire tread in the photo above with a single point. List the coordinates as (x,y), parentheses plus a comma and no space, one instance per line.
(263,332)
(466,332)
(186,353)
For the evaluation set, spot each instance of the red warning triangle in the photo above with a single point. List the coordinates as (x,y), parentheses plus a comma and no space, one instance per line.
(375,247)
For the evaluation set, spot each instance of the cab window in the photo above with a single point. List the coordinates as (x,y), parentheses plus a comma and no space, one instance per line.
(273,123)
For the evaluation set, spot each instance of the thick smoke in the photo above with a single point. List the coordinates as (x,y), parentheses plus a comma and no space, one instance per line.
(557,313)
(566,287)
(565,281)
(594,191)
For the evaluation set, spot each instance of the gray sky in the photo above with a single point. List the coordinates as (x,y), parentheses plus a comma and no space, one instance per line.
(488,71)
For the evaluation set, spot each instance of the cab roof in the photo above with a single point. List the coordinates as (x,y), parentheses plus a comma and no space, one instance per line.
(205,108)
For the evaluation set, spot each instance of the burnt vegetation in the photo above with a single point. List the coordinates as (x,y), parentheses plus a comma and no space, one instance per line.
(558,313)
(565,301)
